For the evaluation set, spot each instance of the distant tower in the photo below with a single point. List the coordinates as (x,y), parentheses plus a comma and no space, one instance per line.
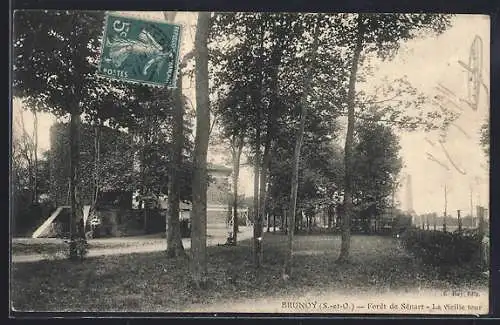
(409,194)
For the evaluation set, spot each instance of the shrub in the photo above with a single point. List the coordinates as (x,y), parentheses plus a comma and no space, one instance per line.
(444,249)
(80,245)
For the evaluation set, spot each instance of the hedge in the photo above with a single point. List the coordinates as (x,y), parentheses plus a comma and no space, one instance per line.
(444,249)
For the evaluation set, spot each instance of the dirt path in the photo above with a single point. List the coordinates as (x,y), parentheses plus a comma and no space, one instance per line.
(139,244)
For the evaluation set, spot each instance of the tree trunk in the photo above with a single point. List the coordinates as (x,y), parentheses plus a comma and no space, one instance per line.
(236,175)
(75,212)
(262,203)
(95,190)
(348,155)
(459,222)
(445,207)
(266,162)
(35,155)
(97,157)
(200,176)
(257,222)
(229,202)
(257,227)
(330,216)
(275,61)
(285,221)
(144,171)
(229,214)
(296,155)
(173,235)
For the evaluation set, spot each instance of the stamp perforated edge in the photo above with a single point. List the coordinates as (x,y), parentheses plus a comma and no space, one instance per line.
(175,75)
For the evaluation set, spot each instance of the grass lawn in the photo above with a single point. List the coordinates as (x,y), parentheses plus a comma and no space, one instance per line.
(151,282)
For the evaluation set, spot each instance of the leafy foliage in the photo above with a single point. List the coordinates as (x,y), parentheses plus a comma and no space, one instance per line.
(444,249)
(320,168)
(118,155)
(54,70)
(55,57)
(485,138)
(115,162)
(362,34)
(376,163)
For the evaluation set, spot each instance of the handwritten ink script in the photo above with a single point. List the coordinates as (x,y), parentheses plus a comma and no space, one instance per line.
(446,98)
(475,81)
(474,73)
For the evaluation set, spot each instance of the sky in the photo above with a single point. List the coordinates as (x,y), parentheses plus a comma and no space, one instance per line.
(426,63)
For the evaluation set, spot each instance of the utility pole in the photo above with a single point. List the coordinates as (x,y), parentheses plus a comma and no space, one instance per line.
(480,214)
(471,209)
(459,222)
(445,207)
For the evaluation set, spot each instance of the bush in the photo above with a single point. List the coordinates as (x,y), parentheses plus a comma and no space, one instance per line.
(444,249)
(81,247)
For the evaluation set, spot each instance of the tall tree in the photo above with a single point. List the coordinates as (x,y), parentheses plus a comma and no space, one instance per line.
(237,143)
(239,76)
(173,234)
(346,226)
(281,38)
(232,110)
(251,66)
(308,77)
(23,154)
(376,164)
(200,176)
(381,34)
(54,57)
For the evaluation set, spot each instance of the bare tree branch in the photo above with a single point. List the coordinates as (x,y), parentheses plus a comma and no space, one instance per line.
(382,101)
(214,121)
(397,122)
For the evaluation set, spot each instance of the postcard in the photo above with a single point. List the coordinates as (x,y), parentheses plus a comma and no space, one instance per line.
(230,162)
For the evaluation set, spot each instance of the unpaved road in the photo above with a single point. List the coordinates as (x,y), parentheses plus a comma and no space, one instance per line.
(136,244)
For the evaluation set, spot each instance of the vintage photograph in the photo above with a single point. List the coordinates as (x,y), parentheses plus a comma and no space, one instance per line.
(257,162)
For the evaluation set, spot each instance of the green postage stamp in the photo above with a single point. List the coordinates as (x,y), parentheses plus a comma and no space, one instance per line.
(140,51)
